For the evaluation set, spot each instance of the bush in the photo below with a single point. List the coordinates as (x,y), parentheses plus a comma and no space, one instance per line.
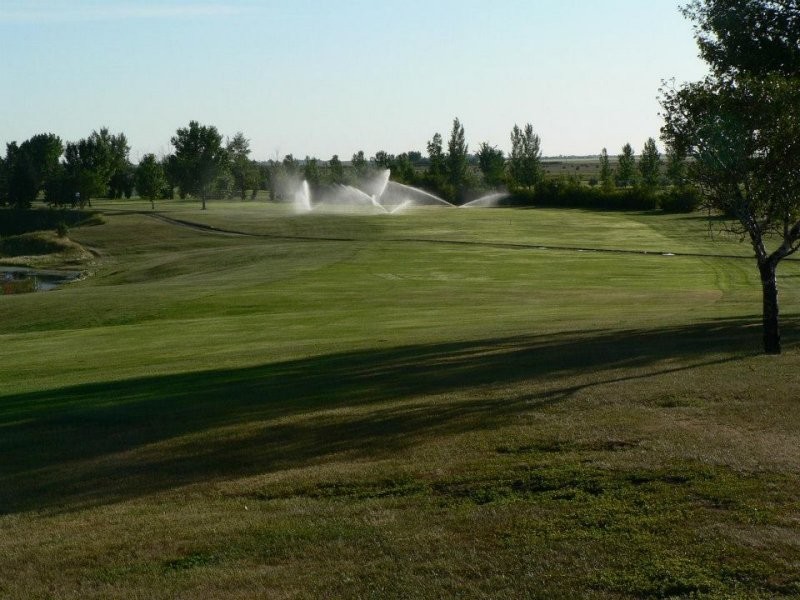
(15,222)
(681,200)
(62,229)
(565,193)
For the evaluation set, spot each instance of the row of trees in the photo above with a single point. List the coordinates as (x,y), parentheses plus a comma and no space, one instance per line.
(99,166)
(96,165)
(203,166)
(649,173)
(451,172)
(454,172)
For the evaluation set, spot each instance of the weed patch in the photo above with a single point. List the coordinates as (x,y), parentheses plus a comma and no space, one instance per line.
(193,560)
(558,446)
(352,490)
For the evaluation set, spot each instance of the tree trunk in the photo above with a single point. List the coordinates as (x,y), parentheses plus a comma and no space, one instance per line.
(204,199)
(769,287)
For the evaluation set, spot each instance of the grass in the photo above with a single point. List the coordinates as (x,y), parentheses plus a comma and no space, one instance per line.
(447,403)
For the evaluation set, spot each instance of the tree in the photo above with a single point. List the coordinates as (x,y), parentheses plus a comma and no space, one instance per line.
(626,167)
(492,164)
(170,165)
(403,169)
(741,127)
(277,180)
(650,164)
(120,181)
(606,174)
(456,160)
(290,165)
(335,170)
(28,166)
(675,168)
(383,159)
(149,178)
(437,167)
(311,172)
(264,178)
(754,38)
(359,163)
(90,164)
(524,165)
(200,159)
(244,172)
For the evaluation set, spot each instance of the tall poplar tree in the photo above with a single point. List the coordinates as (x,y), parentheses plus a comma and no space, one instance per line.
(606,173)
(626,167)
(524,165)
(456,160)
(650,165)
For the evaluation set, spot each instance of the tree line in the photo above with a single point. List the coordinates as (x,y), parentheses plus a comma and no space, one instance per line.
(455,174)
(99,165)
(203,165)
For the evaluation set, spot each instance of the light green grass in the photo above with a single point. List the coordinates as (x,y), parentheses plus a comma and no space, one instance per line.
(423,405)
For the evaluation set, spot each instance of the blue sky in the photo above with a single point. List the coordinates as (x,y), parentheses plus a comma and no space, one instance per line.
(322,78)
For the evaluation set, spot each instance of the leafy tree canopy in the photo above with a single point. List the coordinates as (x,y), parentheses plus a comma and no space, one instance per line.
(741,126)
(650,164)
(200,159)
(492,164)
(27,167)
(524,166)
(754,37)
(456,160)
(626,167)
(149,178)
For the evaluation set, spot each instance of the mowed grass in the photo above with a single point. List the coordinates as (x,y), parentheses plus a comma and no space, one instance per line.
(444,403)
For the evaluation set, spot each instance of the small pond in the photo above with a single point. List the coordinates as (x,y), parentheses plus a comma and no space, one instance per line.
(20,280)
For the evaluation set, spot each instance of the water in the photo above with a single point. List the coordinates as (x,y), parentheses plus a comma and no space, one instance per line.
(302,198)
(374,194)
(376,185)
(487,201)
(401,207)
(346,198)
(400,193)
(19,280)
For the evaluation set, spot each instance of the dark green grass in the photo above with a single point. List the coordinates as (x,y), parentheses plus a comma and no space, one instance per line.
(45,431)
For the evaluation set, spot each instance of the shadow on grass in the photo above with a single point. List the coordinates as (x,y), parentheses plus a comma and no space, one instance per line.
(92,444)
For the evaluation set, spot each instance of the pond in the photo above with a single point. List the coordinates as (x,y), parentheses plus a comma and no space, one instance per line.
(20,280)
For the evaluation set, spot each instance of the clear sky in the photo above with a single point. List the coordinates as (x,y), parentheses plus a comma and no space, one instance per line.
(318,77)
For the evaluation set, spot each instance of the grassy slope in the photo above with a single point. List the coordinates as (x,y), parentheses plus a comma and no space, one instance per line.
(385,416)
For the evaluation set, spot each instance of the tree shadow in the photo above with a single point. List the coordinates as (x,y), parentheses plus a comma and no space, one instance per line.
(92,444)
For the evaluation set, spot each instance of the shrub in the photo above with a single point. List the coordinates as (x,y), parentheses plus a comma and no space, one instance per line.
(566,193)
(680,200)
(15,222)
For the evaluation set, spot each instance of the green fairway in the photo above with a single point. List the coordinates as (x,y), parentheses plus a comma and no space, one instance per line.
(241,402)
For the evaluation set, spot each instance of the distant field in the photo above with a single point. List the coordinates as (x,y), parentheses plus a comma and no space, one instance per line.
(443,403)
(582,168)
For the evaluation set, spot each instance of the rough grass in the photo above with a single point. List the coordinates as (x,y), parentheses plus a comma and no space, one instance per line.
(398,413)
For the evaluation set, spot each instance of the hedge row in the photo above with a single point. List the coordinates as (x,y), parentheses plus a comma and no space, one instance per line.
(556,195)
(15,221)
